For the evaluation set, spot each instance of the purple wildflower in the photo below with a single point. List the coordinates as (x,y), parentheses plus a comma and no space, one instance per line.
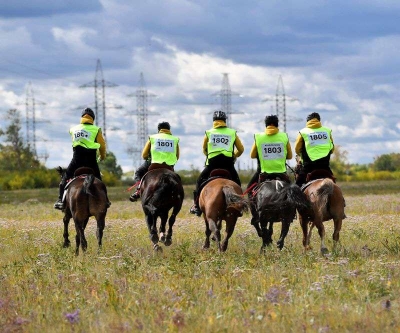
(73,317)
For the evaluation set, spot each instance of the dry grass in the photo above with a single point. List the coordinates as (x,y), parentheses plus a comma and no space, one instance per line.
(129,288)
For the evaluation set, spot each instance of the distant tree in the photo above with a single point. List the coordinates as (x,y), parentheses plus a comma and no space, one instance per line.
(110,164)
(338,162)
(387,162)
(15,154)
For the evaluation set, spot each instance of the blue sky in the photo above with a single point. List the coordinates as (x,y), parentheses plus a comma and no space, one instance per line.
(339,58)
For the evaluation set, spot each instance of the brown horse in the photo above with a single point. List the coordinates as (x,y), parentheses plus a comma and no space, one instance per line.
(221,199)
(161,190)
(85,196)
(327,203)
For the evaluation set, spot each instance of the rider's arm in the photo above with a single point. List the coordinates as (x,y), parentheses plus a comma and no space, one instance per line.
(102,142)
(205,144)
(254,152)
(333,148)
(239,147)
(146,150)
(299,144)
(177,151)
(289,154)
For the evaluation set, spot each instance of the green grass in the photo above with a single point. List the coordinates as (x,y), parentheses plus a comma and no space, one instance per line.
(128,288)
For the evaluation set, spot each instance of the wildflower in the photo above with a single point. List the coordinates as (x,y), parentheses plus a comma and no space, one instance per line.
(73,317)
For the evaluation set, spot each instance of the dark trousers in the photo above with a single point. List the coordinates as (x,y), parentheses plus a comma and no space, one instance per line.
(218,162)
(82,157)
(309,166)
(141,171)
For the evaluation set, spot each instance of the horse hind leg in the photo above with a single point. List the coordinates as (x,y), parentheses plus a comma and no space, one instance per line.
(284,231)
(171,221)
(99,231)
(230,227)
(215,231)
(66,220)
(163,236)
(337,227)
(321,232)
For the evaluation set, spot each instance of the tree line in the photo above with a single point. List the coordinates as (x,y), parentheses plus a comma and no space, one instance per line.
(20,167)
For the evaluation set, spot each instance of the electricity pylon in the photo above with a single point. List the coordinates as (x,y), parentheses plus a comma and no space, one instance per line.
(30,117)
(100,85)
(280,100)
(225,95)
(142,112)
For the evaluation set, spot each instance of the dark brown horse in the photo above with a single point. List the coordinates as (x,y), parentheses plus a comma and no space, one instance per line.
(327,203)
(161,190)
(275,201)
(221,199)
(85,196)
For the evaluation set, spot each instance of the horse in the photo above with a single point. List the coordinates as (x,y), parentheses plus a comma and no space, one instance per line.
(221,199)
(161,190)
(275,201)
(85,196)
(327,202)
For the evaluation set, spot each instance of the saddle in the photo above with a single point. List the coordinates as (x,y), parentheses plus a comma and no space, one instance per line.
(273,176)
(214,174)
(154,166)
(316,175)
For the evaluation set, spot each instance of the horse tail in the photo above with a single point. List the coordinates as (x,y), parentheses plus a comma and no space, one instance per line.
(324,193)
(297,198)
(235,201)
(87,183)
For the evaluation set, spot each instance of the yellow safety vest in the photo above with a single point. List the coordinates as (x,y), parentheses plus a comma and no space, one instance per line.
(317,141)
(272,151)
(220,141)
(85,135)
(163,148)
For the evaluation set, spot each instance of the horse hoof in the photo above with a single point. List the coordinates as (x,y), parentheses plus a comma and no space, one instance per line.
(163,238)
(168,241)
(67,244)
(157,248)
(324,251)
(154,238)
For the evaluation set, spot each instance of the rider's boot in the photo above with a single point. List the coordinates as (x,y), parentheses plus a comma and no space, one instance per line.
(136,195)
(59,204)
(195,209)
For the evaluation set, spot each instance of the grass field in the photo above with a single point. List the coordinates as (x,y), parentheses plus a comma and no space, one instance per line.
(129,288)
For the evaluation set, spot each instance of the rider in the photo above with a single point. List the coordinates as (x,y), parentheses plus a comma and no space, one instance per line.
(162,148)
(271,149)
(218,146)
(87,139)
(314,145)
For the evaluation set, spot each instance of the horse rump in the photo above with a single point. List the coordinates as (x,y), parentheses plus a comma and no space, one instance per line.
(234,201)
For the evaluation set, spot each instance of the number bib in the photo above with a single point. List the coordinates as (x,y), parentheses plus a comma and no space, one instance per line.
(272,151)
(164,145)
(81,134)
(318,138)
(220,141)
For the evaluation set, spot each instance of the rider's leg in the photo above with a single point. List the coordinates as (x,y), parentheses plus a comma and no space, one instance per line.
(140,172)
(59,204)
(195,209)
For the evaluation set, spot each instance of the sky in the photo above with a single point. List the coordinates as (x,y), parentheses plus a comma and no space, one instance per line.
(338,58)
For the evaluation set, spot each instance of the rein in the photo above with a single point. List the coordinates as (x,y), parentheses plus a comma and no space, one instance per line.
(249,189)
(130,188)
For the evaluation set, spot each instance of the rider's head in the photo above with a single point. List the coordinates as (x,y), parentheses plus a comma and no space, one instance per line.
(272,120)
(313,115)
(164,125)
(89,112)
(219,115)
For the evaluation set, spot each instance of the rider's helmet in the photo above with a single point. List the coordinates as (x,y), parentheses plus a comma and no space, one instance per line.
(272,120)
(88,111)
(313,115)
(164,125)
(219,115)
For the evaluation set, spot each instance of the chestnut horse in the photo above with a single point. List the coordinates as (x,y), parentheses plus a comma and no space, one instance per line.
(161,190)
(221,199)
(275,201)
(327,203)
(85,196)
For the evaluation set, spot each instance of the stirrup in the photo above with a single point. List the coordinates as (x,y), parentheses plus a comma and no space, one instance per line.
(59,205)
(135,196)
(195,210)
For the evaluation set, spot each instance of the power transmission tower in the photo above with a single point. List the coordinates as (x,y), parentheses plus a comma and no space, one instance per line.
(142,112)
(30,117)
(225,95)
(100,85)
(280,104)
